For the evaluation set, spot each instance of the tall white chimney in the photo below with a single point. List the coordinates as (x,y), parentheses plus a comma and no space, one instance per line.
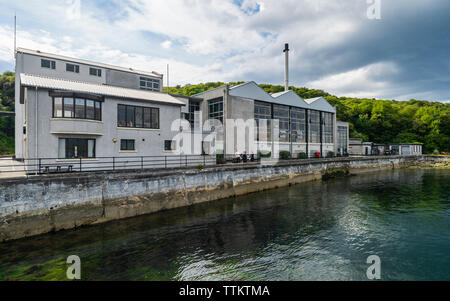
(286,67)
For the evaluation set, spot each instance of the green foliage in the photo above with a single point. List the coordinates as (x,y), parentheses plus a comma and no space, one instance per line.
(302,156)
(264,154)
(285,155)
(330,155)
(200,166)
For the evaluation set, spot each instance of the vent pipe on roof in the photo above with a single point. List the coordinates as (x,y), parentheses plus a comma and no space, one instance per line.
(286,67)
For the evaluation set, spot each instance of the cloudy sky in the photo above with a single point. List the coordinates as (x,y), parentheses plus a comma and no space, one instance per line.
(337,46)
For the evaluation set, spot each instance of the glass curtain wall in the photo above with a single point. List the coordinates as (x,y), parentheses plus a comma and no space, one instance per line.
(298,125)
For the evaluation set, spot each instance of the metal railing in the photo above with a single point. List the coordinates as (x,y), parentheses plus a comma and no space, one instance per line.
(37,166)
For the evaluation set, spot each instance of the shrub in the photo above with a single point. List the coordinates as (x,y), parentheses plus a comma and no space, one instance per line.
(435,152)
(265,154)
(330,155)
(302,156)
(200,166)
(220,159)
(285,155)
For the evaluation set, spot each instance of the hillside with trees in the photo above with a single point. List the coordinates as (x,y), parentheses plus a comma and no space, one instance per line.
(379,121)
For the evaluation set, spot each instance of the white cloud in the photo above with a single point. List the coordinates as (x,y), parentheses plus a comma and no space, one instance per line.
(166,44)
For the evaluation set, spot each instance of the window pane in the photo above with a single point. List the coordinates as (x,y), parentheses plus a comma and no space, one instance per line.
(98,110)
(155,119)
(62,148)
(45,63)
(68,107)
(77,148)
(147,114)
(130,116)
(89,109)
(91,148)
(123,144)
(57,108)
(121,115)
(79,108)
(139,113)
(130,145)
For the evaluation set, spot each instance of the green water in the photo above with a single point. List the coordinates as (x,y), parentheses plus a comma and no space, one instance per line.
(311,231)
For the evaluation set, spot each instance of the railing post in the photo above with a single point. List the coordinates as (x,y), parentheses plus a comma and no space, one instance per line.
(142,162)
(204,160)
(80,163)
(165,161)
(186,161)
(114,163)
(40,166)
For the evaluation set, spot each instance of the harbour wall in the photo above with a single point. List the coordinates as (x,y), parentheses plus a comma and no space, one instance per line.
(37,205)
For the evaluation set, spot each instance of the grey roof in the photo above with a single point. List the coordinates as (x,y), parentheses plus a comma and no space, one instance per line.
(86,62)
(320,104)
(105,90)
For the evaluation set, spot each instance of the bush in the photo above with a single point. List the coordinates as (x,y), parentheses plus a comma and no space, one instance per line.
(330,155)
(435,152)
(265,154)
(200,166)
(285,155)
(302,156)
(220,159)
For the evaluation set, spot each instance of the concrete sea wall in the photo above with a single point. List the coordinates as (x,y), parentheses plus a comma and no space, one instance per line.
(54,202)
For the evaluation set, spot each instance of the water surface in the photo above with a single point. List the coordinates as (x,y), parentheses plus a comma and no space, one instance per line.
(311,231)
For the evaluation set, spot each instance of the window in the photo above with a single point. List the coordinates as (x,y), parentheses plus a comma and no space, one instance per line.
(77,107)
(193,107)
(146,83)
(169,145)
(127,145)
(298,125)
(314,127)
(95,72)
(72,68)
(342,139)
(263,113)
(282,114)
(75,148)
(327,127)
(48,64)
(57,107)
(216,109)
(137,117)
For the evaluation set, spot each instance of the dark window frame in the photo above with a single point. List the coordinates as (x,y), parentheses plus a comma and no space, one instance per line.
(145,81)
(97,71)
(142,125)
(76,68)
(172,147)
(87,147)
(130,144)
(97,115)
(52,64)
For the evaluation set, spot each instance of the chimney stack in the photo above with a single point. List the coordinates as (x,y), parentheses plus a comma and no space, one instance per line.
(286,67)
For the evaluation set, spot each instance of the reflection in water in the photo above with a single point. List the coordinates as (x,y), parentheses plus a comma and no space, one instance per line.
(310,231)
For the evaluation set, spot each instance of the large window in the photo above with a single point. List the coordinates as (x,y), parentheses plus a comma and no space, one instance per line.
(193,107)
(169,145)
(77,107)
(137,117)
(216,109)
(314,127)
(327,128)
(75,148)
(263,113)
(151,84)
(342,139)
(282,114)
(298,125)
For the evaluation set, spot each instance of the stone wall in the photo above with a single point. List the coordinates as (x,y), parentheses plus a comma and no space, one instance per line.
(50,203)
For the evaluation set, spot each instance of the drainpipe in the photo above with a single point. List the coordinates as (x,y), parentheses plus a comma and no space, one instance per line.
(321,133)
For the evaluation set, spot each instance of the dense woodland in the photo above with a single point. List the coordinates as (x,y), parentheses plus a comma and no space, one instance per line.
(380,121)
